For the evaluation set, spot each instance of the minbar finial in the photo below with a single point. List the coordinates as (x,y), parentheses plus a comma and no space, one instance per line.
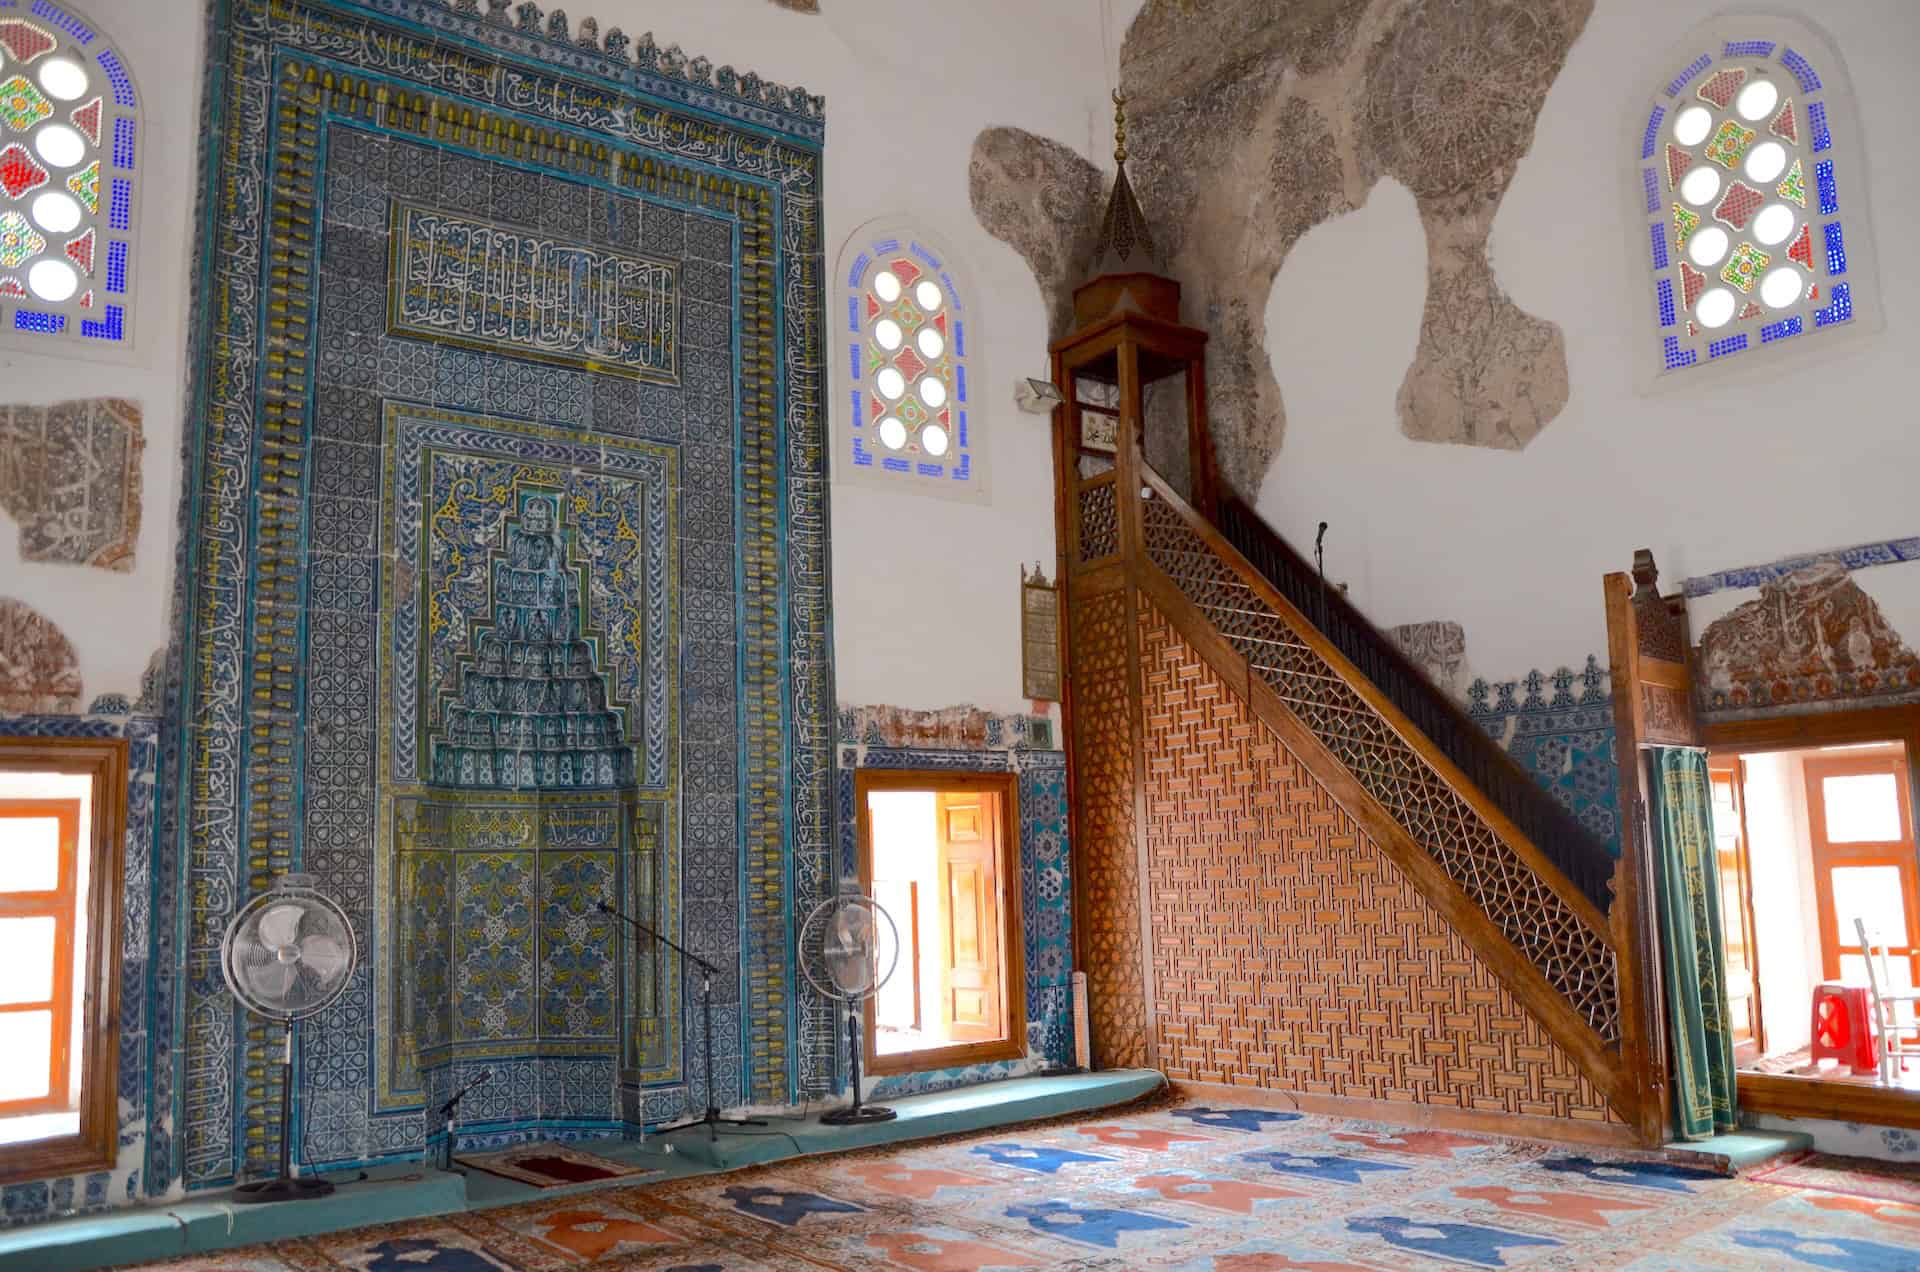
(1119,127)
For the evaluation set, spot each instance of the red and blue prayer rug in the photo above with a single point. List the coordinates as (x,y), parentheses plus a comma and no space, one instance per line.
(1189,1188)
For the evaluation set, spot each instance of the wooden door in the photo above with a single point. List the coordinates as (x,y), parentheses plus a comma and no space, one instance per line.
(972,992)
(1860,819)
(1736,907)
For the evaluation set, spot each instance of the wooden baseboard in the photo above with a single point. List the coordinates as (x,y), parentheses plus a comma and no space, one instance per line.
(1418,1116)
(1785,1096)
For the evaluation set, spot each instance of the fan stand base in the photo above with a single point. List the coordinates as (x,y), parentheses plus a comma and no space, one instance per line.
(858,1115)
(286,1188)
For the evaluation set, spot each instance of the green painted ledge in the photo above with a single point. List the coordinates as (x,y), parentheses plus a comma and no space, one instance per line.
(390,1193)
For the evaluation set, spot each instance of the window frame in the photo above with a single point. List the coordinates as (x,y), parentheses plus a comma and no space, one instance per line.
(56,904)
(96,1145)
(932,253)
(1013,957)
(1665,357)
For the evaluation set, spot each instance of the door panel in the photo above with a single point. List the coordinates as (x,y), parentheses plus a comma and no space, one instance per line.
(1736,907)
(972,993)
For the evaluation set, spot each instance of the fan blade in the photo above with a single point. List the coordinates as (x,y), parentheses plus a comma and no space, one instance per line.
(323,955)
(280,924)
(269,983)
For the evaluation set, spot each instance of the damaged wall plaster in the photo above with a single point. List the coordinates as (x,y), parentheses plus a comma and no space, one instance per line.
(1248,128)
(39,674)
(70,476)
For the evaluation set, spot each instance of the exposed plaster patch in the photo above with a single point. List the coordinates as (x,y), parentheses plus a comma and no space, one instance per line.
(1038,197)
(70,475)
(1251,125)
(1810,641)
(39,673)
(1438,648)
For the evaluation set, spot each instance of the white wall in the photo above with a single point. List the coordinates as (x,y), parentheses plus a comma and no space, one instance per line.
(1720,472)
(116,621)
(926,591)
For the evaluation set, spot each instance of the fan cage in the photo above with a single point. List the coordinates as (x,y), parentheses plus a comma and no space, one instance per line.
(243,930)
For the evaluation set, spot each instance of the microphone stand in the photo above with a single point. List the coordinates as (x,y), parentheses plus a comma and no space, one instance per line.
(446,1111)
(711,1119)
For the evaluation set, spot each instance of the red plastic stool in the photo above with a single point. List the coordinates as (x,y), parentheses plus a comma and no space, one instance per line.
(1842,1026)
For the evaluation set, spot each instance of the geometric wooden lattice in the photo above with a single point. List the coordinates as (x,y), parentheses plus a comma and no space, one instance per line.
(1106,854)
(1099,523)
(1289,952)
(1576,960)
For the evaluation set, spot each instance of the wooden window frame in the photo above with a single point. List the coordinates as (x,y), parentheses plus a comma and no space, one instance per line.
(1794,1095)
(1013,960)
(96,1145)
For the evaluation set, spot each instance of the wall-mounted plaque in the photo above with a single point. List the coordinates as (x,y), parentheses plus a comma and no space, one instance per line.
(1039,636)
(1099,432)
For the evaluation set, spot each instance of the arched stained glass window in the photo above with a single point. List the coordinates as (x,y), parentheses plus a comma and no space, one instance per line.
(1753,194)
(69,138)
(909,345)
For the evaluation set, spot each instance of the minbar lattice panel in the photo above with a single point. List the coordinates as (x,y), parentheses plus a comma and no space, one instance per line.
(1099,523)
(1288,950)
(1106,853)
(1576,960)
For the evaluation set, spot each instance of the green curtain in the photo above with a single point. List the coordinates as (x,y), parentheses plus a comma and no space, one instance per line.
(1693,942)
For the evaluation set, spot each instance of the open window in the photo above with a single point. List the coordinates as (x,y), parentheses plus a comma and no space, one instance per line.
(1814,816)
(937,851)
(62,822)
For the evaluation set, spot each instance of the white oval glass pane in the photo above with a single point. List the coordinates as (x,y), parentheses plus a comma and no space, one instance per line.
(1692,125)
(56,212)
(1780,287)
(1708,246)
(1766,161)
(1773,224)
(928,294)
(1699,186)
(887,334)
(890,383)
(934,438)
(886,286)
(60,145)
(53,280)
(63,78)
(1757,100)
(932,343)
(933,392)
(1715,308)
(893,434)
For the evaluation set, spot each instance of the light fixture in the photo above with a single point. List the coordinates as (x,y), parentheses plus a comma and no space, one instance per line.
(1037,397)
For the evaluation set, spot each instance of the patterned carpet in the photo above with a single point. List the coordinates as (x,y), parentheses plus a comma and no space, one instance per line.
(1184,1187)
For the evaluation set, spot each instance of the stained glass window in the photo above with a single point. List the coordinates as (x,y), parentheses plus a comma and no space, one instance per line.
(69,140)
(1737,166)
(907,333)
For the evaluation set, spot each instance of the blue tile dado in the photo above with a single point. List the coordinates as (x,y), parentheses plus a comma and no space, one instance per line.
(1564,738)
(965,740)
(560,567)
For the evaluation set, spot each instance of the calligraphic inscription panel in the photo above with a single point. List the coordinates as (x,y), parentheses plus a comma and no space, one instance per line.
(485,285)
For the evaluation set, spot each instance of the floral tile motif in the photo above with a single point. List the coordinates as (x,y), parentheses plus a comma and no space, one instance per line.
(1793,186)
(1744,267)
(19,241)
(1564,738)
(1729,145)
(21,104)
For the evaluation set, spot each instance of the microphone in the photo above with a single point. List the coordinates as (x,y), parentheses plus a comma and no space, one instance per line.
(479,1079)
(1320,537)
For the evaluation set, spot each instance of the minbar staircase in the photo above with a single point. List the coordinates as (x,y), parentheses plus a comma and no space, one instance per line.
(1528,888)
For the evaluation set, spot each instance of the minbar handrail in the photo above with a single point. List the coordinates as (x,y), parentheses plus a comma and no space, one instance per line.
(1560,837)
